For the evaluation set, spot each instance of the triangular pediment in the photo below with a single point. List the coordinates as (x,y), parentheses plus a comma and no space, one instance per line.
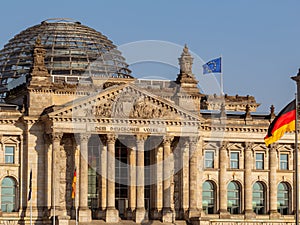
(124,102)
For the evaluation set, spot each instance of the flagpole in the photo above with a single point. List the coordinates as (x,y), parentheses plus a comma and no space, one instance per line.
(31,197)
(54,199)
(76,203)
(296,160)
(221,78)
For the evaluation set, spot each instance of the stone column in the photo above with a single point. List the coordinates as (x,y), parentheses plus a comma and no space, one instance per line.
(158,187)
(249,214)
(185,179)
(167,213)
(140,212)
(103,174)
(112,214)
(223,162)
(56,138)
(273,182)
(132,181)
(84,211)
(193,181)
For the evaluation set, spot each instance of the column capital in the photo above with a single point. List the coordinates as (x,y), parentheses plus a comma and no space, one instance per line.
(168,140)
(84,137)
(248,145)
(111,138)
(223,145)
(273,147)
(141,138)
(194,139)
(56,136)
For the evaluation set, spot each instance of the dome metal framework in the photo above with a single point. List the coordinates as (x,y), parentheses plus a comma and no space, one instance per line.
(73,52)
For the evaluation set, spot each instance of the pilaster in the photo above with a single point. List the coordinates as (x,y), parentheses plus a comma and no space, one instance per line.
(249,214)
(273,182)
(223,162)
(194,211)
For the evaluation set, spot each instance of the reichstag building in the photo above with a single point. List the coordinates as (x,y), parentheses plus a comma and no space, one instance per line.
(142,150)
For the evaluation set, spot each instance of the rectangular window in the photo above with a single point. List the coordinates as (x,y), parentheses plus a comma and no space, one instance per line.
(259,161)
(209,159)
(9,154)
(284,164)
(234,160)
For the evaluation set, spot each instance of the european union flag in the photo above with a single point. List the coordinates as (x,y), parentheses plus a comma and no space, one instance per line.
(213,66)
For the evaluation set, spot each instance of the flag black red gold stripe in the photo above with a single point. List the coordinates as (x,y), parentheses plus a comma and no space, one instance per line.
(284,122)
(74,185)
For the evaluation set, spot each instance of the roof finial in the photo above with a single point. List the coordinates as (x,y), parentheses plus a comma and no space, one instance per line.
(272,112)
(185,49)
(186,61)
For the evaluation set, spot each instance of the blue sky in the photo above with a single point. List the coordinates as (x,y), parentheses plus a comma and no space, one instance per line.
(258,39)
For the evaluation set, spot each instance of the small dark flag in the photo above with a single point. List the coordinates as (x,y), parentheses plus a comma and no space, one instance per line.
(284,122)
(74,185)
(30,185)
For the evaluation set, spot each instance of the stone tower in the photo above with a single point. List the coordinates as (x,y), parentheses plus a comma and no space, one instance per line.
(188,94)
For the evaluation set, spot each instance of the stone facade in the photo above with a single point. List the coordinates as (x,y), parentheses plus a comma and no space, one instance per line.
(140,155)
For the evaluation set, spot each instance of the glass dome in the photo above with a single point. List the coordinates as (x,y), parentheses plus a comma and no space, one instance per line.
(73,52)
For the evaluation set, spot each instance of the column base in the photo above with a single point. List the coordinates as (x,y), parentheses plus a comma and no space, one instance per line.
(168,215)
(140,215)
(224,214)
(63,220)
(156,214)
(100,213)
(54,211)
(249,214)
(194,213)
(84,215)
(274,214)
(130,213)
(111,215)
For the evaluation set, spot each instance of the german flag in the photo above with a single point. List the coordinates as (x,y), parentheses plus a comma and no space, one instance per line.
(284,122)
(74,185)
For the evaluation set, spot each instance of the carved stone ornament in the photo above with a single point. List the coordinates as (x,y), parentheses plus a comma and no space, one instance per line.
(186,61)
(39,54)
(141,138)
(168,140)
(104,109)
(111,138)
(56,136)
(146,110)
(84,137)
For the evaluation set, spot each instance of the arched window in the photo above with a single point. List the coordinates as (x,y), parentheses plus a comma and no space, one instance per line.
(258,198)
(233,198)
(8,195)
(283,197)
(208,197)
